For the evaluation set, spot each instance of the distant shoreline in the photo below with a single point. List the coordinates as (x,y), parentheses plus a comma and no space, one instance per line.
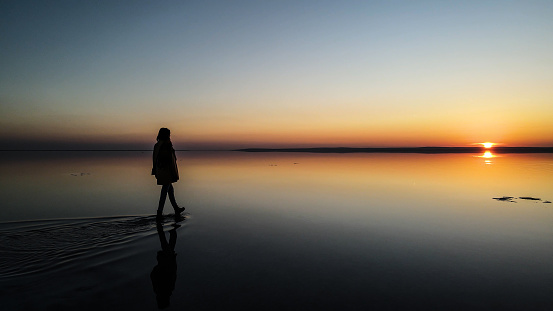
(424,150)
(427,150)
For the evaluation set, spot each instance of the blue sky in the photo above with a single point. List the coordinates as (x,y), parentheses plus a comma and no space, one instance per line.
(276,73)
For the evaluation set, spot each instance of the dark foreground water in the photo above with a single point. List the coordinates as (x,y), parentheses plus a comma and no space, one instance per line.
(278,232)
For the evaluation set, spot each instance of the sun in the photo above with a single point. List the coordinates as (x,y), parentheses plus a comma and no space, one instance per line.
(487,145)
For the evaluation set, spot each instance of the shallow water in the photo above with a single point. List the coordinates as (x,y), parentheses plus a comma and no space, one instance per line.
(52,246)
(280,231)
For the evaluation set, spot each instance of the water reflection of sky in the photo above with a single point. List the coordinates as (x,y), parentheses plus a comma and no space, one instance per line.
(116,183)
(487,156)
(362,226)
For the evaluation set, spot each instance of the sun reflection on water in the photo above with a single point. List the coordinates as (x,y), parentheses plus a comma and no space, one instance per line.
(488,155)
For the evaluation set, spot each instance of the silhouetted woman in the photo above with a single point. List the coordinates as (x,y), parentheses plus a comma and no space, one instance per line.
(165,169)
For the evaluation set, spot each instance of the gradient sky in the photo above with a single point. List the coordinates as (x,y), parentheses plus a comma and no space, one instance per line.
(230,74)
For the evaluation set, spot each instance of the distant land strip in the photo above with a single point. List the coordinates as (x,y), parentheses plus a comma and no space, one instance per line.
(497,150)
(406,150)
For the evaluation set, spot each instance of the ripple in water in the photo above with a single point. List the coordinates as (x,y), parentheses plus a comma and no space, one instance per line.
(34,247)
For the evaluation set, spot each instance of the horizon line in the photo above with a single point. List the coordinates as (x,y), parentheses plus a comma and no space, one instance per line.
(426,149)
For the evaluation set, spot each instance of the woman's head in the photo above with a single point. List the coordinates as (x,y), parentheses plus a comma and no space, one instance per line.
(164,134)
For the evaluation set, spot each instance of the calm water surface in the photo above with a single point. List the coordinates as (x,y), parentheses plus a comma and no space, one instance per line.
(280,231)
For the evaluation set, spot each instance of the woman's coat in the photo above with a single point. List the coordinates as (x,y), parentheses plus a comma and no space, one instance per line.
(165,163)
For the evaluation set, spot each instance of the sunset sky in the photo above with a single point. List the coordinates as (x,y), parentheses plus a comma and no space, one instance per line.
(233,74)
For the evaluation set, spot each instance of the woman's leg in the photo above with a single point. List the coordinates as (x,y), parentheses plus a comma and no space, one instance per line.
(171,192)
(162,198)
(176,207)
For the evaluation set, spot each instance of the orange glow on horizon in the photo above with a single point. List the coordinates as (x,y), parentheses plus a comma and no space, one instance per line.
(487,145)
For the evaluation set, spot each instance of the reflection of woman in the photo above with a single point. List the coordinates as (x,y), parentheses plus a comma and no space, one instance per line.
(165,169)
(164,274)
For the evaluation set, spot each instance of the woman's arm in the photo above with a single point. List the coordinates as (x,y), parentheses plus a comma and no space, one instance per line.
(154,158)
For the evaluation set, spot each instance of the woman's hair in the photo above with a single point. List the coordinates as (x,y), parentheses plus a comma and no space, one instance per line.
(163,134)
